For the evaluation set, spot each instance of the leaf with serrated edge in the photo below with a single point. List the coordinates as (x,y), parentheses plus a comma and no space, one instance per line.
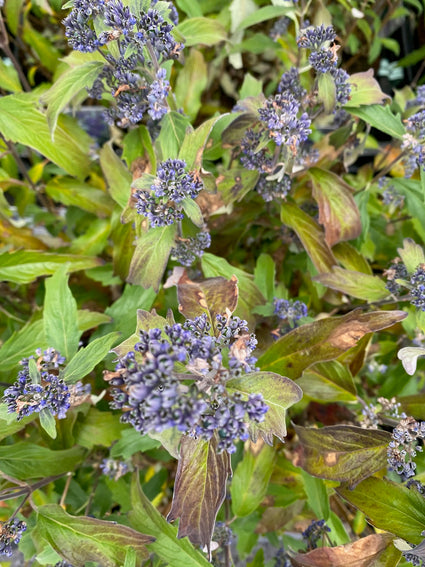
(79,539)
(342,452)
(87,358)
(278,392)
(323,340)
(364,552)
(144,517)
(412,254)
(389,506)
(365,89)
(199,489)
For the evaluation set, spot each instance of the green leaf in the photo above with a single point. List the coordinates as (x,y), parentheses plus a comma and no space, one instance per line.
(130,558)
(87,358)
(328,382)
(48,423)
(21,122)
(250,86)
(174,552)
(72,192)
(265,13)
(199,489)
(9,78)
(356,284)
(203,31)
(192,210)
(24,266)
(342,452)
(81,539)
(98,428)
(323,340)
(132,442)
(365,90)
(89,319)
(173,131)
(389,506)
(249,294)
(192,9)
(264,275)
(251,479)
(195,141)
(412,254)
(26,460)
(8,427)
(278,392)
(22,344)
(317,495)
(310,234)
(117,175)
(194,73)
(151,255)
(233,184)
(66,87)
(60,315)
(381,118)
(326,91)
(138,142)
(338,211)
(350,258)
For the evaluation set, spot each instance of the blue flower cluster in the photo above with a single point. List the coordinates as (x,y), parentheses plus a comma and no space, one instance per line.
(403,447)
(271,189)
(315,531)
(280,116)
(10,534)
(397,271)
(152,381)
(141,40)
(289,309)
(26,396)
(290,82)
(390,196)
(414,143)
(163,206)
(188,250)
(114,469)
(417,281)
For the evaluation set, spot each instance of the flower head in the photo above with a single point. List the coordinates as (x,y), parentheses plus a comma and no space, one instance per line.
(10,535)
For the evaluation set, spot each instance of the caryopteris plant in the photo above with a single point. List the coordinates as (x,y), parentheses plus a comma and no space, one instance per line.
(212,310)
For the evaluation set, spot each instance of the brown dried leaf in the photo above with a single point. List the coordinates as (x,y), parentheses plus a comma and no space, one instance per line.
(213,295)
(199,489)
(364,552)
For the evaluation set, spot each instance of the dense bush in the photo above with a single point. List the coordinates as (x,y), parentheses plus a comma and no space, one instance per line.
(212,218)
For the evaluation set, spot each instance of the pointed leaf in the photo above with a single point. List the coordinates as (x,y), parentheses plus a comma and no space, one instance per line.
(151,255)
(66,87)
(72,192)
(174,127)
(328,382)
(204,31)
(310,234)
(194,143)
(365,90)
(21,122)
(48,423)
(263,14)
(117,175)
(24,266)
(60,315)
(195,74)
(365,552)
(342,452)
(251,479)
(326,92)
(25,460)
(323,340)
(199,489)
(278,392)
(79,539)
(22,344)
(402,514)
(338,211)
(88,357)
(146,518)
(381,118)
(192,210)
(356,284)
